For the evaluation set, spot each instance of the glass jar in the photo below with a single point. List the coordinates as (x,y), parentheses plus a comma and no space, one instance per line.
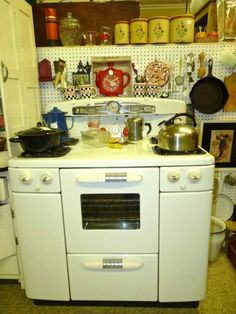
(69,31)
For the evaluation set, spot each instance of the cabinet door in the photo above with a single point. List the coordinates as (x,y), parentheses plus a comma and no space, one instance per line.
(19,78)
(184,242)
(7,236)
(40,232)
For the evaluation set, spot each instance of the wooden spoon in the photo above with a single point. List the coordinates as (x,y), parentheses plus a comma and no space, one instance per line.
(201,71)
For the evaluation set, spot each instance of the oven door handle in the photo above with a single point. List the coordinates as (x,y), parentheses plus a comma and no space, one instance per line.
(113,263)
(109,177)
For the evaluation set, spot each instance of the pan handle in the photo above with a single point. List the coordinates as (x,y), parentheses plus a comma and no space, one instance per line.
(210,67)
(171,120)
(15,140)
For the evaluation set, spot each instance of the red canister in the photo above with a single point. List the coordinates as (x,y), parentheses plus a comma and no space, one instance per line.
(51,26)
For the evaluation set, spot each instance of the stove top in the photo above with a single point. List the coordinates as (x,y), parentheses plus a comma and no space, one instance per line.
(133,155)
(52,152)
(160,151)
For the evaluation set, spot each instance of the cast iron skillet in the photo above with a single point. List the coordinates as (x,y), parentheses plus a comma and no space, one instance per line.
(209,94)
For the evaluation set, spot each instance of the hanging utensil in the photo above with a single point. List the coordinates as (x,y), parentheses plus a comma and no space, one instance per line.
(179,79)
(190,66)
(209,94)
(201,70)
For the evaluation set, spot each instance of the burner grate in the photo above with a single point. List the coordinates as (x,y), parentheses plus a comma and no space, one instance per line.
(58,151)
(160,151)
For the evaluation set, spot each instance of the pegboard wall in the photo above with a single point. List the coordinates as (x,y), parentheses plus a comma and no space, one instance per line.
(224,186)
(142,55)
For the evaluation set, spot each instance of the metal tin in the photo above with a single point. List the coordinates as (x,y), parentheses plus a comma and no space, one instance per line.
(182,29)
(138,31)
(121,33)
(158,30)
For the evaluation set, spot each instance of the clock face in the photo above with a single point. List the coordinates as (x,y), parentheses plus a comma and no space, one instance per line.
(110,82)
(113,107)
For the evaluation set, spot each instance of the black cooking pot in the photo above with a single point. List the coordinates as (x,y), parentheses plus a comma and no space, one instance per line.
(38,139)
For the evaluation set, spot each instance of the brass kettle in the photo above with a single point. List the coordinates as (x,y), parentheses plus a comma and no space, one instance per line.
(178,136)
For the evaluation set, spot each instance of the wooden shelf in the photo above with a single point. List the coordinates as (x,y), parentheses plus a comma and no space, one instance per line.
(90,15)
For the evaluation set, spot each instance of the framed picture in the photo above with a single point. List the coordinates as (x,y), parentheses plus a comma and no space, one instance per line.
(219,139)
(80,79)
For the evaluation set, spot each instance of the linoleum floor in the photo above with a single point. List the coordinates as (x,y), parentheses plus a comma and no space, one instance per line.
(221,298)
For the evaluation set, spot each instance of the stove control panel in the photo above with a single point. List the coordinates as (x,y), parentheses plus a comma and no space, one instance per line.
(189,178)
(34,180)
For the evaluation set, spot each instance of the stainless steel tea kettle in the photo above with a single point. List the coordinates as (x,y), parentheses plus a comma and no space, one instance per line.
(135,127)
(178,136)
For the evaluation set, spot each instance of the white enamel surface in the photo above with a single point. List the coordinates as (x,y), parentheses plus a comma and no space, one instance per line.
(114,284)
(184,241)
(142,240)
(139,154)
(43,254)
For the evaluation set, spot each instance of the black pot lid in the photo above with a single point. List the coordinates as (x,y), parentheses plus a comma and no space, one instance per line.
(39,131)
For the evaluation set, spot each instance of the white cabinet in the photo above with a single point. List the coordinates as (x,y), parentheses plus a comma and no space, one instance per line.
(19,94)
(19,78)
(184,228)
(43,254)
(8,251)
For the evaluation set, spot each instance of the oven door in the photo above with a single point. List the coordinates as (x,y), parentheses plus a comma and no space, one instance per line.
(111,210)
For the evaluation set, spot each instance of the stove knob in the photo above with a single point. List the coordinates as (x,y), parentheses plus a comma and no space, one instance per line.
(195,175)
(46,178)
(173,176)
(26,178)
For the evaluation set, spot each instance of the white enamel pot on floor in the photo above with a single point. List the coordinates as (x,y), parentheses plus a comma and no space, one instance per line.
(222,210)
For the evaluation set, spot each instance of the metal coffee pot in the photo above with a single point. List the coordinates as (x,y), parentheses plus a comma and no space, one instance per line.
(135,127)
(57,119)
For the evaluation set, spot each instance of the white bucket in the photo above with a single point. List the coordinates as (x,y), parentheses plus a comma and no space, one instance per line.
(216,238)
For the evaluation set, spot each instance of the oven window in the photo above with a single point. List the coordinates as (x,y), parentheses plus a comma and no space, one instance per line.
(110,211)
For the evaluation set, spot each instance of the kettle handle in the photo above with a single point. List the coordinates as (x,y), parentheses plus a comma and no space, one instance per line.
(97,79)
(149,127)
(171,120)
(127,80)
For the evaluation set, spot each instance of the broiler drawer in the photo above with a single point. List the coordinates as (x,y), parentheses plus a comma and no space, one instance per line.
(110,277)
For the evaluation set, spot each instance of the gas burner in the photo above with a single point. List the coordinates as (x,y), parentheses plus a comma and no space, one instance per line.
(161,151)
(52,152)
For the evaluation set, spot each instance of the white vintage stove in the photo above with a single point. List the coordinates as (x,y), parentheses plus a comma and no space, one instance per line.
(105,224)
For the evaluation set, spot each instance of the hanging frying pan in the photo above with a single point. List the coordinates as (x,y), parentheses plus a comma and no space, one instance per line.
(209,94)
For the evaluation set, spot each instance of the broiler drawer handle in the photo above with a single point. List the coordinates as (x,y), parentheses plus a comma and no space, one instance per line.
(113,263)
(109,177)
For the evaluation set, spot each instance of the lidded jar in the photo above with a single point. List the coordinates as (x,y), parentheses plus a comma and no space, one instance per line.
(138,31)
(69,31)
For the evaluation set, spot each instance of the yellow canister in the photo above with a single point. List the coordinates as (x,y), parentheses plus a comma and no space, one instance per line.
(138,31)
(182,28)
(121,33)
(158,30)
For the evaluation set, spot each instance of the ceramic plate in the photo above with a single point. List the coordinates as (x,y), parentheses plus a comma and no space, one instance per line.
(157,73)
(224,207)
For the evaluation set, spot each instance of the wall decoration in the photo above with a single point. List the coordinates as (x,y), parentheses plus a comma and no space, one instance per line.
(219,139)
